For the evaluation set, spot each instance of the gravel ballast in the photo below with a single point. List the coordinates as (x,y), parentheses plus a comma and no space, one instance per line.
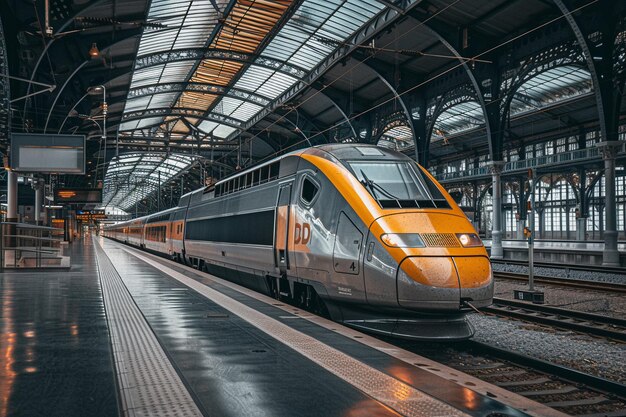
(595,356)
(610,277)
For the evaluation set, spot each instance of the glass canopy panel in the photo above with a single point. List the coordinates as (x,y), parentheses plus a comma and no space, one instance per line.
(246,111)
(304,42)
(207,126)
(188,24)
(134,176)
(551,86)
(227,106)
(223,131)
(277,84)
(136,124)
(458,118)
(143,123)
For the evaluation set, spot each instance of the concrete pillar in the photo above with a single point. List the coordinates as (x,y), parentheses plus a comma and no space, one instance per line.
(12,196)
(496,223)
(609,149)
(581,228)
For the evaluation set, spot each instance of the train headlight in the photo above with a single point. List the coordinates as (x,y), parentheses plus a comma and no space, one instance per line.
(402,240)
(469,240)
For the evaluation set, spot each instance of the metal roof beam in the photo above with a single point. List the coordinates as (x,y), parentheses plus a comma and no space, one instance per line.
(369,31)
(196,54)
(177,111)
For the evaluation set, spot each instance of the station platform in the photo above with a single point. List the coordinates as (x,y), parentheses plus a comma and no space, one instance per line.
(567,252)
(128,333)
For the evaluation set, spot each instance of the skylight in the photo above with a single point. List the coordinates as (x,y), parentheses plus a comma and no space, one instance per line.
(312,34)
(188,24)
(135,176)
(553,85)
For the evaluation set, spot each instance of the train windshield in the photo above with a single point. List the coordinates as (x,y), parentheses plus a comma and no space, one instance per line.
(398,185)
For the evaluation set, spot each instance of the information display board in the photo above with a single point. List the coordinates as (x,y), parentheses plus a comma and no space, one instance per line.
(78,195)
(87,215)
(48,154)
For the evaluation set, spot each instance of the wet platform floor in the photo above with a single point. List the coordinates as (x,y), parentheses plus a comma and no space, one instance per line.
(229,366)
(55,356)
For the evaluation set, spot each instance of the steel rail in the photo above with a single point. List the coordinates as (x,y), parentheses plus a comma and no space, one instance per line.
(572,375)
(594,324)
(565,282)
(569,267)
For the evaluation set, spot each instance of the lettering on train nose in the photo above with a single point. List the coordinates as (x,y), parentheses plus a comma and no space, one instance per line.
(302,233)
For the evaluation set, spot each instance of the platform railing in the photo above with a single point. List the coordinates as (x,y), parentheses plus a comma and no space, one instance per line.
(575,156)
(29,246)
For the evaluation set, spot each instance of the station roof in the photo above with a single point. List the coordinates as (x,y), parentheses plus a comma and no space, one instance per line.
(233,82)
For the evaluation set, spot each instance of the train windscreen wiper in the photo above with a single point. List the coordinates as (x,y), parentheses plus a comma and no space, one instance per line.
(368,184)
(373,186)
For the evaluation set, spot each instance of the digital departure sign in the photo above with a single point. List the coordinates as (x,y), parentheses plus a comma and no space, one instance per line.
(87,215)
(49,154)
(78,195)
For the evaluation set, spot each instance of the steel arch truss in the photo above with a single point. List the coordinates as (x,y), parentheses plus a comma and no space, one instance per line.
(199,88)
(566,54)
(464,93)
(177,111)
(391,120)
(5,93)
(217,54)
(619,53)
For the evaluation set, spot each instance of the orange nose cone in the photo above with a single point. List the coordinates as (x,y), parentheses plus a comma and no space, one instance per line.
(432,271)
(474,271)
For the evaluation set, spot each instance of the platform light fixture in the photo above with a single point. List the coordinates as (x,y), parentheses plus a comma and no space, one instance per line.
(94,52)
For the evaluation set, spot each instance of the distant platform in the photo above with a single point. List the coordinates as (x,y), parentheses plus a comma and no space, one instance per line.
(175,341)
(558,251)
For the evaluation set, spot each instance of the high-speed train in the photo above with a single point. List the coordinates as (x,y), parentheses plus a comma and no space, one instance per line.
(360,233)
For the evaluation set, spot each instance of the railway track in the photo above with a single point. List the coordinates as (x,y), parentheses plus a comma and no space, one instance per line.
(564,389)
(564,282)
(588,323)
(567,267)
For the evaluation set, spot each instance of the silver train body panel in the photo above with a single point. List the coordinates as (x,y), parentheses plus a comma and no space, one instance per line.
(322,242)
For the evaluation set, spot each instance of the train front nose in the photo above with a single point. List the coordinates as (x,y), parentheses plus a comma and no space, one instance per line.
(444,282)
(428,283)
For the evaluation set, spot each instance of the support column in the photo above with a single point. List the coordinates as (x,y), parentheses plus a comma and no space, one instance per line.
(11,196)
(38,186)
(583,210)
(581,228)
(609,149)
(520,229)
(521,209)
(496,223)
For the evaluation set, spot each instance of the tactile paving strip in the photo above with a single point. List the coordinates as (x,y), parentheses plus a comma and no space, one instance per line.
(149,385)
(401,397)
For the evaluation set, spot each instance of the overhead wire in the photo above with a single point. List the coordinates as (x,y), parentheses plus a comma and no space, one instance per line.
(419,85)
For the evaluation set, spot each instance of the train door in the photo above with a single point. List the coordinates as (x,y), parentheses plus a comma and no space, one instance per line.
(347,251)
(283,225)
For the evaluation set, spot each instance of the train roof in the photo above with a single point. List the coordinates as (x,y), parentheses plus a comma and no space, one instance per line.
(340,151)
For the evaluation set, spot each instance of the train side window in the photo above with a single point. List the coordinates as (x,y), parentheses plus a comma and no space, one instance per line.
(274,170)
(309,191)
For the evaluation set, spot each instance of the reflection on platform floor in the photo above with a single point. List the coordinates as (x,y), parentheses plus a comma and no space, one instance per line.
(55,357)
